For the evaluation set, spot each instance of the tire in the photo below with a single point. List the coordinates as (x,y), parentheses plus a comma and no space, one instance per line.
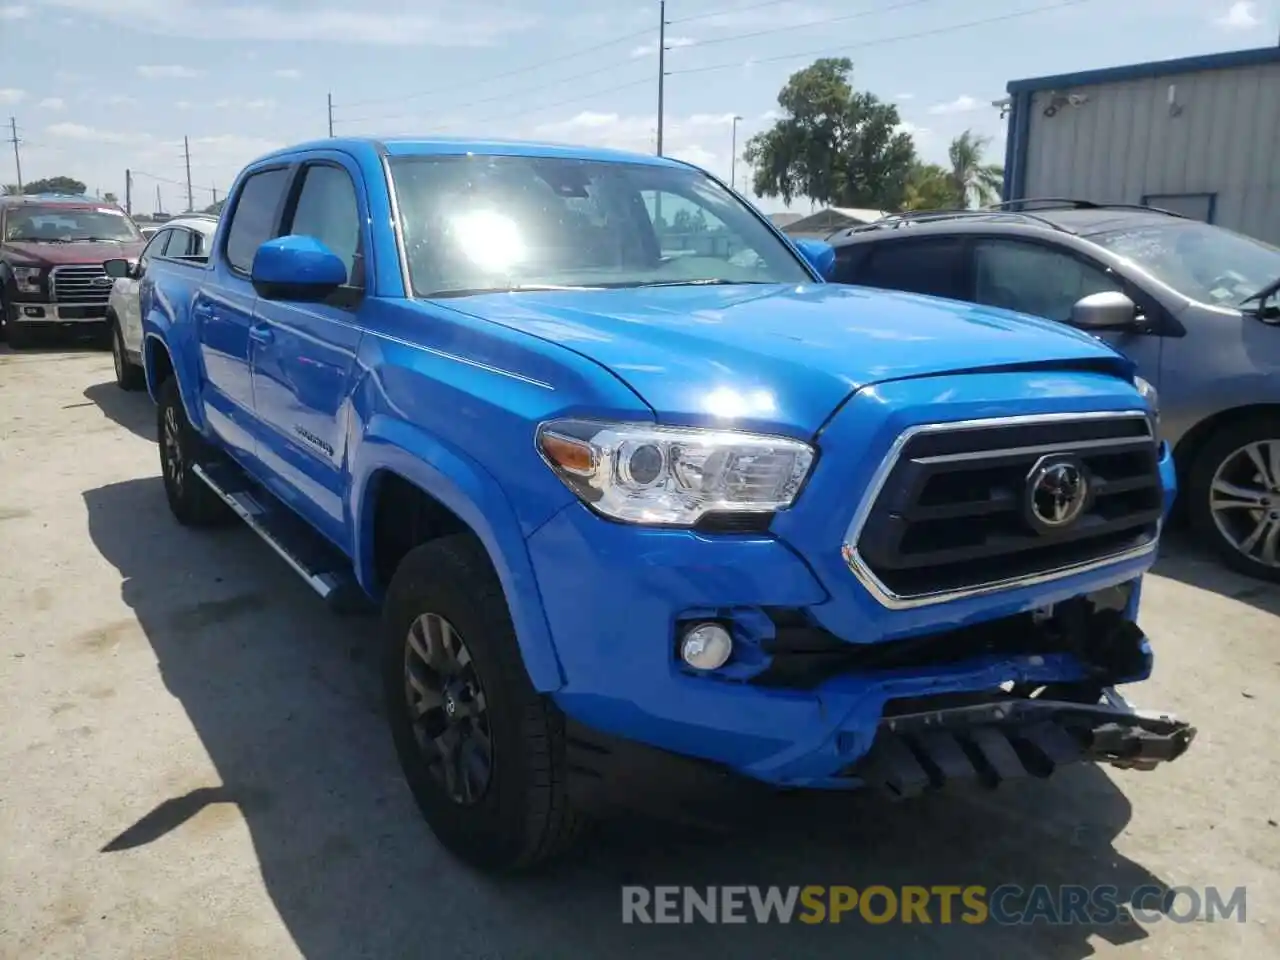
(1225,459)
(129,376)
(191,500)
(19,336)
(518,814)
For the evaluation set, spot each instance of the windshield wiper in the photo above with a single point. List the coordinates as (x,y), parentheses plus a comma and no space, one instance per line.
(513,288)
(95,240)
(1263,295)
(38,240)
(695,282)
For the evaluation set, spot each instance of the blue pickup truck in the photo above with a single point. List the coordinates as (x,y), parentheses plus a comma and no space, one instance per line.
(653,514)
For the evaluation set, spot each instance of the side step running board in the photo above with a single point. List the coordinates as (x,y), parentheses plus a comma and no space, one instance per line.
(315,560)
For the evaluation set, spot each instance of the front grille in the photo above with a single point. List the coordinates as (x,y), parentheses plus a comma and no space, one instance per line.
(954,510)
(80,284)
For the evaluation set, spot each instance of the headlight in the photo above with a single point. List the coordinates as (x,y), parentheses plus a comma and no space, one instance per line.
(1150,395)
(27,279)
(673,476)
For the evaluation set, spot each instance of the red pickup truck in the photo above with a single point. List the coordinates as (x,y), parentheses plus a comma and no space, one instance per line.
(51,254)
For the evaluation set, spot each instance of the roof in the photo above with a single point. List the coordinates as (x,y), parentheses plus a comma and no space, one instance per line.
(63,199)
(1079,222)
(785,218)
(1157,68)
(828,219)
(454,146)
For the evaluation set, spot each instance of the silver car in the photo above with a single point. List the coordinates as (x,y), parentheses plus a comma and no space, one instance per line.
(1193,305)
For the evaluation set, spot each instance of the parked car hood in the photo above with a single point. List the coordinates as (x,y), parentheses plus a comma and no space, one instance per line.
(59,254)
(796,350)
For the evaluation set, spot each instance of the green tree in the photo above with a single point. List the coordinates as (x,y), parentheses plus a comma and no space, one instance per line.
(973,180)
(9,190)
(110,197)
(215,208)
(930,187)
(55,185)
(834,145)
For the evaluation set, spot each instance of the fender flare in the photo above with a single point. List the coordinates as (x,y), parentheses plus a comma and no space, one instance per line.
(153,339)
(462,485)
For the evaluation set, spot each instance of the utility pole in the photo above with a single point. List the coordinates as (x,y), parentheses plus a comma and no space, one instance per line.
(214,190)
(733,155)
(191,200)
(17,157)
(159,203)
(128,192)
(331,115)
(662,64)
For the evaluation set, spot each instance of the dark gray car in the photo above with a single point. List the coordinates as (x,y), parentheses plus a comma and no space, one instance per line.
(1188,302)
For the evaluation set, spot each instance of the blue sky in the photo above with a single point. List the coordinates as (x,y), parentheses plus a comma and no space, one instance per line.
(98,86)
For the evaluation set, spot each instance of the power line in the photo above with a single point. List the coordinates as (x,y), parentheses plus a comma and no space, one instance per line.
(501,96)
(560,103)
(814,23)
(730,10)
(500,76)
(883,40)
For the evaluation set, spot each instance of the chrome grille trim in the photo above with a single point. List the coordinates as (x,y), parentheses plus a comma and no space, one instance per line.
(894,601)
(76,285)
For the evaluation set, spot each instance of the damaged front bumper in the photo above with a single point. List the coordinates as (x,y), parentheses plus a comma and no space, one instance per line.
(1009,739)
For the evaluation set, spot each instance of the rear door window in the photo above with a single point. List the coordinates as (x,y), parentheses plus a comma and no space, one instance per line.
(253,221)
(1033,278)
(932,266)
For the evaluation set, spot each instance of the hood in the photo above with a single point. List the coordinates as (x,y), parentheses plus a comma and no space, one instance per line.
(780,355)
(59,254)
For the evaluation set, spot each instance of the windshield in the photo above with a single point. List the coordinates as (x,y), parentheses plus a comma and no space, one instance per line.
(1200,261)
(478,223)
(55,224)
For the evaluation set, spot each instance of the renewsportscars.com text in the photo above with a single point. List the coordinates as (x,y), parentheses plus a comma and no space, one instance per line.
(1008,904)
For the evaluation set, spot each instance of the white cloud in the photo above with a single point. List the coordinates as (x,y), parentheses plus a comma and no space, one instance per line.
(701,139)
(917,132)
(14,11)
(650,49)
(1241,15)
(288,73)
(78,131)
(260,104)
(771,116)
(168,71)
(120,100)
(52,103)
(9,95)
(451,23)
(961,104)
(183,104)
(771,15)
(904,96)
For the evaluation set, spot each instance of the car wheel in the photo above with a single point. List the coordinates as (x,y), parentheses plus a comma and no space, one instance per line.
(1235,496)
(483,752)
(129,376)
(191,500)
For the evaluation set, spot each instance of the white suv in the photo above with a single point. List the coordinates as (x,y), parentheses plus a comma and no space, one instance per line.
(182,238)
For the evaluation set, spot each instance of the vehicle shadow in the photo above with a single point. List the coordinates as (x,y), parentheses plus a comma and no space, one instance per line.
(284,697)
(1182,559)
(133,410)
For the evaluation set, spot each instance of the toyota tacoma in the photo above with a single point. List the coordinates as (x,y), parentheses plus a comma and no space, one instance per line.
(652,512)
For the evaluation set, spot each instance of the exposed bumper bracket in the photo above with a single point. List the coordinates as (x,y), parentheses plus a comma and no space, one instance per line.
(990,743)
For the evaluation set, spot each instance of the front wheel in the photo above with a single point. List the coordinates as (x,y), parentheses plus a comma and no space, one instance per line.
(191,500)
(1235,496)
(483,752)
(129,376)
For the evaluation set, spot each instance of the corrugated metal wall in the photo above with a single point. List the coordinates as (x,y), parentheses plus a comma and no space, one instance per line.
(1221,136)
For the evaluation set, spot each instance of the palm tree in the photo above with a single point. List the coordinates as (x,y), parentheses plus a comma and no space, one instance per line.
(9,190)
(977,182)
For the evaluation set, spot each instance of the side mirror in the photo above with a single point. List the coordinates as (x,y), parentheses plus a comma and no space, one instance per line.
(117,269)
(1108,310)
(296,268)
(819,254)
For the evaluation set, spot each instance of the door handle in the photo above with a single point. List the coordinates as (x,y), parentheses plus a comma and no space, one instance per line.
(202,311)
(260,333)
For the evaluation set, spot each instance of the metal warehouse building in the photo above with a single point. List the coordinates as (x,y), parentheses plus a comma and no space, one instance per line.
(1199,135)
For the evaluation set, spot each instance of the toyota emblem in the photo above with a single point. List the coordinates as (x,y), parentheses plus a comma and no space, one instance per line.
(1057,493)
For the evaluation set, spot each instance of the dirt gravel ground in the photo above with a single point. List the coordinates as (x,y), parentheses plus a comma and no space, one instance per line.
(193,762)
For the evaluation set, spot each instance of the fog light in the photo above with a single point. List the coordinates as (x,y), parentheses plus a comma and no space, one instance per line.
(706,646)
(33,311)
